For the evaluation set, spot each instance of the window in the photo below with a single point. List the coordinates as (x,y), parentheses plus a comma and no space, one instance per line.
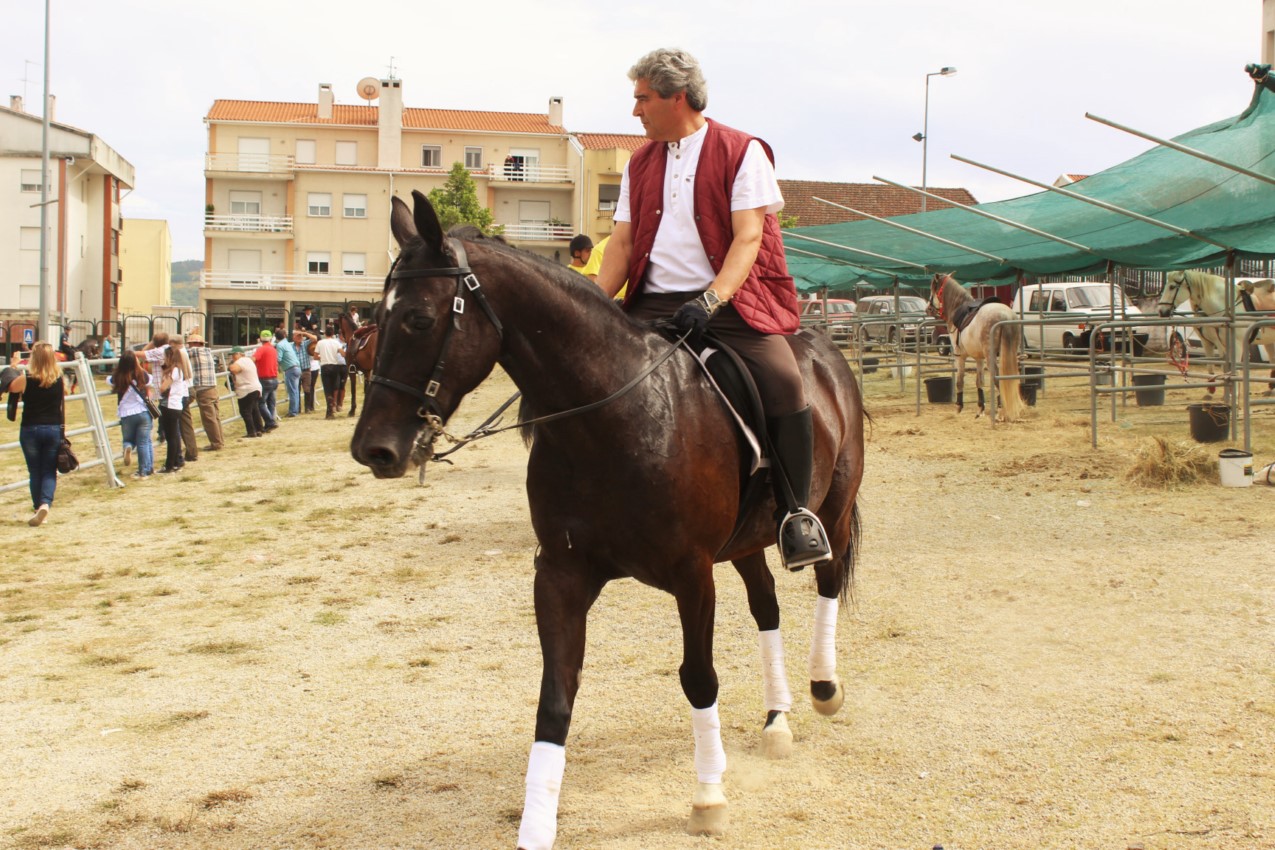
(307,152)
(254,154)
(320,204)
(431,156)
(354,264)
(29,240)
(317,262)
(30,179)
(354,206)
(245,203)
(474,158)
(347,153)
(608,195)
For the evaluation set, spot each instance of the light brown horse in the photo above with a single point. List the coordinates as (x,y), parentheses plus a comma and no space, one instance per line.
(647,485)
(981,335)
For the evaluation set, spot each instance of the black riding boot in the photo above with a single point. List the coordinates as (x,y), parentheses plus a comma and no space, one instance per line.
(802,539)
(330,415)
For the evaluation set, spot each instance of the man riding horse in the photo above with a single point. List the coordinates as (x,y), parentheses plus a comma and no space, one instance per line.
(712,257)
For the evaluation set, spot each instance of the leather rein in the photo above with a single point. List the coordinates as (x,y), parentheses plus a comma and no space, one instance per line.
(429,411)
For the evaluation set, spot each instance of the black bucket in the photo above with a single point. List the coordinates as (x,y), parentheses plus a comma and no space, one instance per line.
(870,365)
(1153,397)
(940,390)
(1027,391)
(1210,423)
(1033,382)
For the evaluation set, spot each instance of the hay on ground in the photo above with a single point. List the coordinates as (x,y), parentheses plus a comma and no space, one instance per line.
(1168,465)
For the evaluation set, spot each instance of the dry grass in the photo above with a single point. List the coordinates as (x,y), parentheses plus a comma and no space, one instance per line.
(1043,653)
(1168,465)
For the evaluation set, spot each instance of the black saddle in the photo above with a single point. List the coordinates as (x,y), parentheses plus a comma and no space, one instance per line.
(735,383)
(964,314)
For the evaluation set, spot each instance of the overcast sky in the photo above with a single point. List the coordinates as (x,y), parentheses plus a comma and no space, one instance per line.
(837,88)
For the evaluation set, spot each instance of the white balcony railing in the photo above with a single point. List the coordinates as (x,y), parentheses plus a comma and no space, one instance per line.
(536,232)
(529,173)
(249,223)
(242,163)
(284,282)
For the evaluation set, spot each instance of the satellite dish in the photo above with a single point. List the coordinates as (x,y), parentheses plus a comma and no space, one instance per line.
(369,88)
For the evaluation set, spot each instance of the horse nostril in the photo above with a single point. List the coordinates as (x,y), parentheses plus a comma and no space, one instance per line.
(381,456)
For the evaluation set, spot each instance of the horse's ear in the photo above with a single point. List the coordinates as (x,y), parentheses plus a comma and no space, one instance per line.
(401,223)
(427,224)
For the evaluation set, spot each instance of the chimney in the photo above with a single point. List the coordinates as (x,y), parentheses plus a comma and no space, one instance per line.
(555,111)
(389,125)
(15,102)
(325,101)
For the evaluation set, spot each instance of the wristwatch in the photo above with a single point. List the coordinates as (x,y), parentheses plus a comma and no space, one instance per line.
(711,300)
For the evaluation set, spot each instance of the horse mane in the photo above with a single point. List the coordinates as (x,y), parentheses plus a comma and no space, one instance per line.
(576,284)
(954,296)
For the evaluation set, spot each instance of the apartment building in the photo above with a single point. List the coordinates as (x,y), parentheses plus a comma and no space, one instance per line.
(605,155)
(298,194)
(146,252)
(85,180)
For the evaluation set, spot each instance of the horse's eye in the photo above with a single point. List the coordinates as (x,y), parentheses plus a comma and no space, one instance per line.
(419,321)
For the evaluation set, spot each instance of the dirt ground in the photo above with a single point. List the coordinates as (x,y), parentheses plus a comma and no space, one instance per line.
(275,650)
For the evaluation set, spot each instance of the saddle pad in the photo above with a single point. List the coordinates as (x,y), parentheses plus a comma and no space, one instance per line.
(729,376)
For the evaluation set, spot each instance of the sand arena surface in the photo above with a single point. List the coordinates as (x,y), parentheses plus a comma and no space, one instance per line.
(273,649)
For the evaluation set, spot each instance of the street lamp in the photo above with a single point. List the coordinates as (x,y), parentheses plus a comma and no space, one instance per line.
(924,136)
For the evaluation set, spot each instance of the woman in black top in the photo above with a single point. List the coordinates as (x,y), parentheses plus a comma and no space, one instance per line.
(40,436)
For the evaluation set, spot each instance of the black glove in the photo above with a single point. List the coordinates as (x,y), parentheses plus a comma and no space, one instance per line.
(691,316)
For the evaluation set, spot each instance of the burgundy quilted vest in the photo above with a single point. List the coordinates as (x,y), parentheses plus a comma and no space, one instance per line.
(768,299)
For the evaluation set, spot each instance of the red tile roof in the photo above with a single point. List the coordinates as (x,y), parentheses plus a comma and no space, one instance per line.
(347,115)
(875,198)
(610,141)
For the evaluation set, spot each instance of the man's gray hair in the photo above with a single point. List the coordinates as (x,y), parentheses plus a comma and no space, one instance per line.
(669,71)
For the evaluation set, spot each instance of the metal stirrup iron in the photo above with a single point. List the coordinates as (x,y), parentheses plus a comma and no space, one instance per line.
(802,540)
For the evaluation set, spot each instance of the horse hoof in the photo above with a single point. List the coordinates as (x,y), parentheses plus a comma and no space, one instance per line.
(776,738)
(708,820)
(827,697)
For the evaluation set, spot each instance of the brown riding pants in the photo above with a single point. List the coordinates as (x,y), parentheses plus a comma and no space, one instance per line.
(768,356)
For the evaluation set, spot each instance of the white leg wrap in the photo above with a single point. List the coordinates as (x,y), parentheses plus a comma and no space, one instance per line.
(823,644)
(774,676)
(710,757)
(540,811)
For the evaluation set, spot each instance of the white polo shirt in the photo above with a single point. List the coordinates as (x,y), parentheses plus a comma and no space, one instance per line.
(678,261)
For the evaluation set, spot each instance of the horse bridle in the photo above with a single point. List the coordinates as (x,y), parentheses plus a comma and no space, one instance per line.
(1177,290)
(466,281)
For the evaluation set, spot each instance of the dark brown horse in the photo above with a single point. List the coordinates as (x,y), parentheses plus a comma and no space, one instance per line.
(360,354)
(645,486)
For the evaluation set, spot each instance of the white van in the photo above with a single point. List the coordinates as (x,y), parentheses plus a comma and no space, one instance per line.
(1074,308)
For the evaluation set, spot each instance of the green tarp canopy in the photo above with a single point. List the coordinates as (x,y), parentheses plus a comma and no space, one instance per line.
(1234,210)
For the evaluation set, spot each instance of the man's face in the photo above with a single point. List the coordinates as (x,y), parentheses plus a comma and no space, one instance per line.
(660,116)
(582,256)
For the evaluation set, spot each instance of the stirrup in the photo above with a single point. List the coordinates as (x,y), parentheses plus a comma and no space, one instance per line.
(802,540)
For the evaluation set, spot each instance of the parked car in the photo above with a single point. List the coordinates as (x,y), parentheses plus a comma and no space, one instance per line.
(1085,303)
(836,323)
(881,324)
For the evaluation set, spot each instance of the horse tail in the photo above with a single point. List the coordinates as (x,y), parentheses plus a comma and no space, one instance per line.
(845,588)
(1007,362)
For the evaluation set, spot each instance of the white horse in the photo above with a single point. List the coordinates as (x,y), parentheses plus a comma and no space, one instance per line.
(1207,294)
(973,337)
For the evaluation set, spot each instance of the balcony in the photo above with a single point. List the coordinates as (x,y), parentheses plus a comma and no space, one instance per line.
(279,225)
(280,282)
(528,173)
(537,232)
(258,165)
